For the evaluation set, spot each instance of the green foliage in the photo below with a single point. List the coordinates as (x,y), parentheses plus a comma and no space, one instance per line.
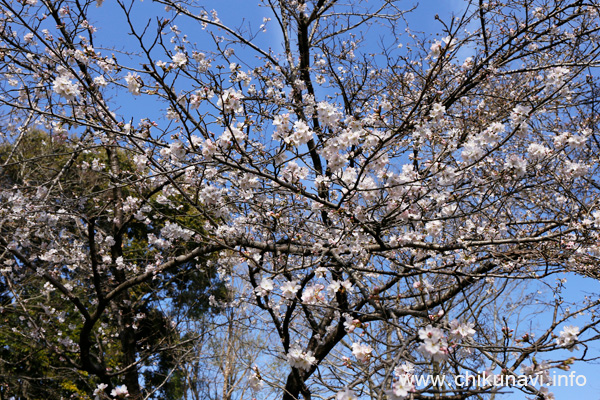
(31,369)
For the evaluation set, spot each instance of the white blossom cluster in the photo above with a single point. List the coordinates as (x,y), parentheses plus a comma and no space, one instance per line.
(403,383)
(568,337)
(300,359)
(64,86)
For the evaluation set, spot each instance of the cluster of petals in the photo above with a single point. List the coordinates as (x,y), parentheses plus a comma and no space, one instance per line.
(133,83)
(300,359)
(289,289)
(540,370)
(65,87)
(335,286)
(230,101)
(434,343)
(462,331)
(328,115)
(362,352)
(265,286)
(350,324)
(568,337)
(179,59)
(312,294)
(300,135)
(403,383)
(120,392)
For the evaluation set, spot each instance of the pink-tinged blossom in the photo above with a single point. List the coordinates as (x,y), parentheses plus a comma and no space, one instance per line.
(561,139)
(434,228)
(437,111)
(401,388)
(404,369)
(436,49)
(434,343)
(328,115)
(519,114)
(429,332)
(300,359)
(289,289)
(577,141)
(282,126)
(423,285)
(120,392)
(153,240)
(230,135)
(140,161)
(293,172)
(349,323)
(472,151)
(195,100)
(203,63)
(332,152)
(321,272)
(575,169)
(312,294)
(335,286)
(541,370)
(596,220)
(461,330)
(52,255)
(173,231)
(516,165)
(300,135)
(209,148)
(100,81)
(177,150)
(491,135)
(557,76)
(468,63)
(362,352)
(230,101)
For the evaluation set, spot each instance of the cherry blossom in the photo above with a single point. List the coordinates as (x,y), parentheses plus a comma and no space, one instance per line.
(300,359)
(362,352)
(133,83)
(461,330)
(179,59)
(434,342)
(120,392)
(289,289)
(390,197)
(401,388)
(64,86)
(568,337)
(265,286)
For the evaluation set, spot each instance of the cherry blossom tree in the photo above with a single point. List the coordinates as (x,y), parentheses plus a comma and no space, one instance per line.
(381,203)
